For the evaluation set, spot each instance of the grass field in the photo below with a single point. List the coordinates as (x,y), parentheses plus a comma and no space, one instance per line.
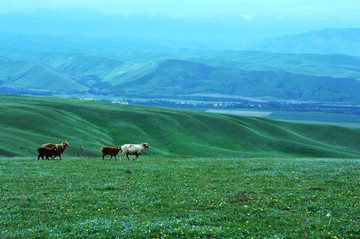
(205,175)
(179,197)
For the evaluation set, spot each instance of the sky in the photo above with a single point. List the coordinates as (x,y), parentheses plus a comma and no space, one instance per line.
(228,24)
(194,8)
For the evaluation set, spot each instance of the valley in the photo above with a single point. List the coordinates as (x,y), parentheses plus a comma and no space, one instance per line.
(133,74)
(170,74)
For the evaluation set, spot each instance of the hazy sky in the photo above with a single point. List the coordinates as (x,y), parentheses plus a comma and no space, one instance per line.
(195,8)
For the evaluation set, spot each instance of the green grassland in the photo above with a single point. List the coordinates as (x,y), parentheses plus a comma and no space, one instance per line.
(27,122)
(179,197)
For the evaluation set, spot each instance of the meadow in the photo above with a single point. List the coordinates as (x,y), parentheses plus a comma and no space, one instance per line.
(179,197)
(205,175)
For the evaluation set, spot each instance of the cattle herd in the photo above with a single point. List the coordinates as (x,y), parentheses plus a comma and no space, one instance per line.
(53,150)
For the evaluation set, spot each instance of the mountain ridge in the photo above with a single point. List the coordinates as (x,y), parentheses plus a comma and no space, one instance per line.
(191,78)
(327,41)
(172,77)
(68,65)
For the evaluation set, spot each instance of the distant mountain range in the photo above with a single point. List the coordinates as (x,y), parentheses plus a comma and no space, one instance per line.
(328,41)
(70,65)
(230,31)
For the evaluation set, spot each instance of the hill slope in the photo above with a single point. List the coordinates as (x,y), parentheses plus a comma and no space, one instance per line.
(36,76)
(27,122)
(177,77)
(327,41)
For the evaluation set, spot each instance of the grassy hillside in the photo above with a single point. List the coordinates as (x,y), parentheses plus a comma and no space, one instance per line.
(36,77)
(27,122)
(177,77)
(334,65)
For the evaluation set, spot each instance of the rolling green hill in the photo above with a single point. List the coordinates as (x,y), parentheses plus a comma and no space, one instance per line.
(27,122)
(36,76)
(177,77)
(71,65)
(332,78)
(335,65)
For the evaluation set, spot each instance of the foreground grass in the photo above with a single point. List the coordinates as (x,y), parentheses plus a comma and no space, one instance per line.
(173,197)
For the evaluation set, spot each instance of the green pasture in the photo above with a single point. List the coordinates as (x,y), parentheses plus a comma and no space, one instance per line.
(205,175)
(179,197)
